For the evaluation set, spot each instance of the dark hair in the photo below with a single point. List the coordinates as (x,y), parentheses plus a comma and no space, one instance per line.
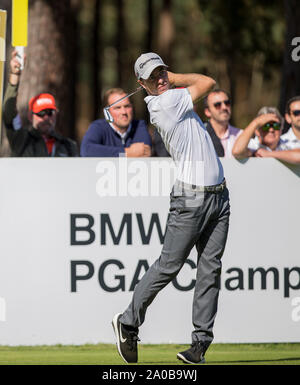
(216,91)
(290,101)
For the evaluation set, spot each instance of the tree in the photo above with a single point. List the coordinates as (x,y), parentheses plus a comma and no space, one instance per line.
(122,45)
(149,33)
(6,6)
(290,83)
(96,62)
(166,32)
(52,58)
(247,38)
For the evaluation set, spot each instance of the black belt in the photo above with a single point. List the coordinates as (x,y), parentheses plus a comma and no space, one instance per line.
(212,189)
(216,188)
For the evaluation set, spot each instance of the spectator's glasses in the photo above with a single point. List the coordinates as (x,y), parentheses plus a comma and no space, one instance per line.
(276,126)
(42,113)
(296,112)
(218,105)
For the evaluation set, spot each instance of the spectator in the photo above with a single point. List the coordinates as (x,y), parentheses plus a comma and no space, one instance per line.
(292,116)
(267,127)
(123,136)
(39,139)
(217,109)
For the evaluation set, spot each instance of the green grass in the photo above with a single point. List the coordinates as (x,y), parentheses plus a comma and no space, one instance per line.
(106,354)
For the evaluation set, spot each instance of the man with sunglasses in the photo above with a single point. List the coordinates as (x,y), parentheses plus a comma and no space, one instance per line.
(267,128)
(199,211)
(292,116)
(217,108)
(39,139)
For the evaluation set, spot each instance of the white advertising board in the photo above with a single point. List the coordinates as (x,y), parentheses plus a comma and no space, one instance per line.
(77,234)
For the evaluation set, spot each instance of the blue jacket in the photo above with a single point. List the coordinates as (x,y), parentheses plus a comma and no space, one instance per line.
(101,140)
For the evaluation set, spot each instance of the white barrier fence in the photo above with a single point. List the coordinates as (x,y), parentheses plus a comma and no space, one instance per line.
(77,234)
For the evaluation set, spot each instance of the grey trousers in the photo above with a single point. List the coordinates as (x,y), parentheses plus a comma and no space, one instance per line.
(195,219)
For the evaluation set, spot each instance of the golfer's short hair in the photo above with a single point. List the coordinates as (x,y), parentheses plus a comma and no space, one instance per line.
(289,102)
(110,91)
(216,91)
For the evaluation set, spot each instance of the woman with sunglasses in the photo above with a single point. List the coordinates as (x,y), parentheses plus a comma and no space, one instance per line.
(261,138)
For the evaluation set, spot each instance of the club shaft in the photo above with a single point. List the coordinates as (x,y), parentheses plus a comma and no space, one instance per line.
(124,97)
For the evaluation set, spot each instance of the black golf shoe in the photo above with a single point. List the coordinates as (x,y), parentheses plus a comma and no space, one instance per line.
(126,340)
(195,354)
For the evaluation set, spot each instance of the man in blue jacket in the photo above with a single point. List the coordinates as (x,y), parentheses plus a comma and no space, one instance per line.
(124,137)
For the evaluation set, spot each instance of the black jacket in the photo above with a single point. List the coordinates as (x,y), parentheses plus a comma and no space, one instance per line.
(215,139)
(28,142)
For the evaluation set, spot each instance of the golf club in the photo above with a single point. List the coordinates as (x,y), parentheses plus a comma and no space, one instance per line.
(107,114)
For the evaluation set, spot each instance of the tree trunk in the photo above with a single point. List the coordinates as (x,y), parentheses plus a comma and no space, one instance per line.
(166,32)
(51,59)
(121,46)
(6,6)
(96,63)
(290,83)
(149,36)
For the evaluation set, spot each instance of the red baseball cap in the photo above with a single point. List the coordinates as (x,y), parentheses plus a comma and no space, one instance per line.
(42,102)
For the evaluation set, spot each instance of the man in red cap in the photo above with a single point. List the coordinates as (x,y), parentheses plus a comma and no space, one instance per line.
(41,139)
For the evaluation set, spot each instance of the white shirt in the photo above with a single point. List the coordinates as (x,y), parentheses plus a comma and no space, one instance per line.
(228,140)
(290,140)
(121,134)
(185,137)
(254,145)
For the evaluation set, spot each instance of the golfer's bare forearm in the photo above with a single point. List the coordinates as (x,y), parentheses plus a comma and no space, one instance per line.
(198,85)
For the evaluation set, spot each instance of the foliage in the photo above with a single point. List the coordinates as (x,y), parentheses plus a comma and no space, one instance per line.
(240,43)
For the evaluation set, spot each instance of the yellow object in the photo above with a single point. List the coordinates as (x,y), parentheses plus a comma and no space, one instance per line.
(2,60)
(2,34)
(19,23)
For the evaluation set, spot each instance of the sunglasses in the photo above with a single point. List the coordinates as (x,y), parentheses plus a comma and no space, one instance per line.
(42,113)
(218,105)
(276,126)
(296,112)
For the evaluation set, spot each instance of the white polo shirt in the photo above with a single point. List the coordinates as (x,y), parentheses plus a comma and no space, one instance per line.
(290,140)
(185,137)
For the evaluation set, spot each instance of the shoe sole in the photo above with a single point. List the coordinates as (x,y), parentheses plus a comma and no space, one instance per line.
(116,330)
(182,358)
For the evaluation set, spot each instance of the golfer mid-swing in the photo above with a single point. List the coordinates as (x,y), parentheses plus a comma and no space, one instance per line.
(199,209)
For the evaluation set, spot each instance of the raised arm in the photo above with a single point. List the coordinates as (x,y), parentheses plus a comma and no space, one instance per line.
(197,84)
(240,149)
(15,71)
(10,97)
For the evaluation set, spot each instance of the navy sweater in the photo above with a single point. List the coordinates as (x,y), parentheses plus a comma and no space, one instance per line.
(101,140)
